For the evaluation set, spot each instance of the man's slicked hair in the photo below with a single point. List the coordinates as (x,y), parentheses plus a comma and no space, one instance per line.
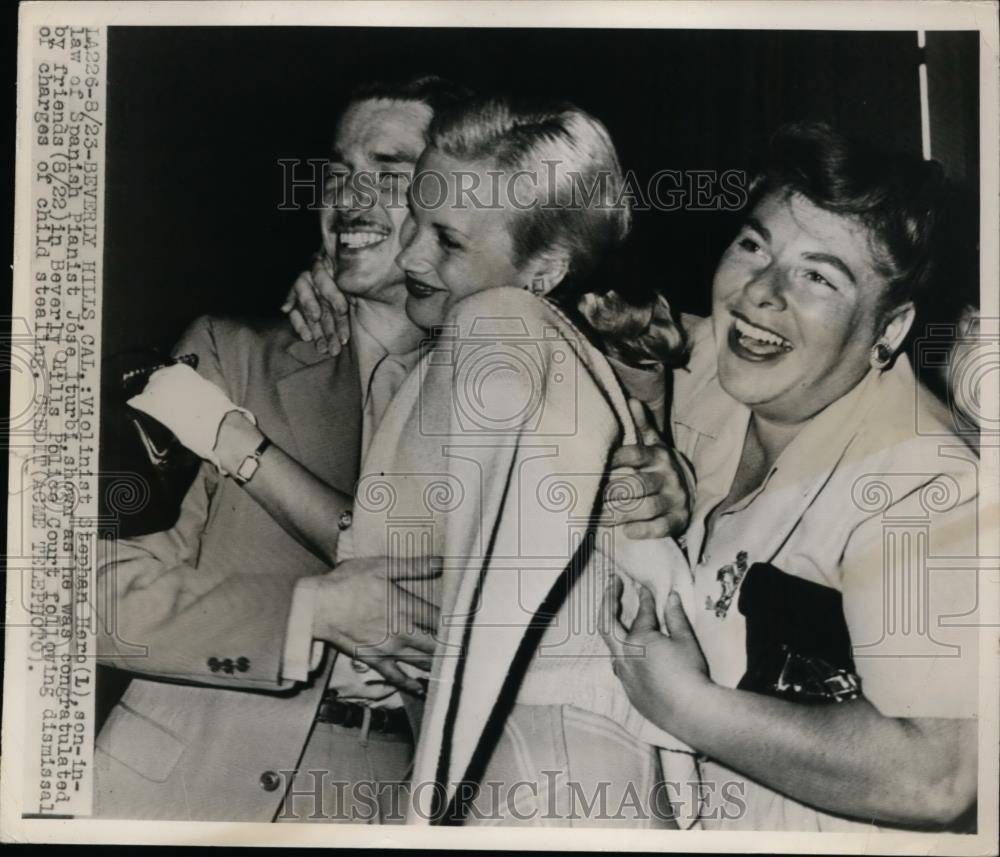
(438,93)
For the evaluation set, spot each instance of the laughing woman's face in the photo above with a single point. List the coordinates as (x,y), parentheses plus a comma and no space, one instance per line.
(796,301)
(458,241)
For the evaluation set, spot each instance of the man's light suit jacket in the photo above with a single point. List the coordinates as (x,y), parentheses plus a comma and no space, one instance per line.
(200,611)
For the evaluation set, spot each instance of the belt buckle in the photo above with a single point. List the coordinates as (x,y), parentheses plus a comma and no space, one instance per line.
(351,715)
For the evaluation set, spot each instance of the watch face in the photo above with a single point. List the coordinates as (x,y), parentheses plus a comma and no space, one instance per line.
(246,470)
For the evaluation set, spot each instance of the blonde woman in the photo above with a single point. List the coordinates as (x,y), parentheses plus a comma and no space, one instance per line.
(495,455)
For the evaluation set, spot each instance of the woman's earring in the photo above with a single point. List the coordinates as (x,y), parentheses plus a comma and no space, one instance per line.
(537,286)
(880,356)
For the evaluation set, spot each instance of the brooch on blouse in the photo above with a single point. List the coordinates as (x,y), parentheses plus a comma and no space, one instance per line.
(729,577)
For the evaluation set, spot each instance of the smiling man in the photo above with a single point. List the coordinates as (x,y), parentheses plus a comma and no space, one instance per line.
(230,619)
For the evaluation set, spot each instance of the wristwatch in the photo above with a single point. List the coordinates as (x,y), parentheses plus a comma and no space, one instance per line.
(248,466)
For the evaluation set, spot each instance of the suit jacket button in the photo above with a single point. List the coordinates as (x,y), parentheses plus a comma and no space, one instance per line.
(214,665)
(242,664)
(227,666)
(345,520)
(269,781)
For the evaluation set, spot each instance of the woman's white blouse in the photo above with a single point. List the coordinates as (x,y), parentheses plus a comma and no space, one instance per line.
(875,500)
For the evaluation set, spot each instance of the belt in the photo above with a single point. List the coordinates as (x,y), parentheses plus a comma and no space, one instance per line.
(389,721)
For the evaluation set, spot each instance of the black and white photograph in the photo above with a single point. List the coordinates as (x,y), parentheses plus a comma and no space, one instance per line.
(574,419)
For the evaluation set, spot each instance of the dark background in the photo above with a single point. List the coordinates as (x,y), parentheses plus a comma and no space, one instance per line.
(198,118)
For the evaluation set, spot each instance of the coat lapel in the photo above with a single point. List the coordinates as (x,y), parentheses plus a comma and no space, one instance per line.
(321,397)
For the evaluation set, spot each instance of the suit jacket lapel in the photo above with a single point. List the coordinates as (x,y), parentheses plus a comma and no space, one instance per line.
(321,397)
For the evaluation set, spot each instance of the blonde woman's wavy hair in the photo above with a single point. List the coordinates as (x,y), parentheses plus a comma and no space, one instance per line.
(576,206)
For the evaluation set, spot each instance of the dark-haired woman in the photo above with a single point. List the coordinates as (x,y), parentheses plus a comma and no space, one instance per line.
(829,672)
